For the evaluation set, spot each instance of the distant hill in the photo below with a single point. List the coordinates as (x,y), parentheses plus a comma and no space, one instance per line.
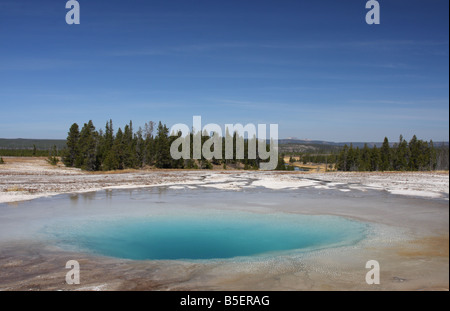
(327,143)
(287,144)
(319,143)
(41,144)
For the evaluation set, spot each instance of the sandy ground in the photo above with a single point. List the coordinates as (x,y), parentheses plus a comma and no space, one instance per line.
(30,178)
(418,262)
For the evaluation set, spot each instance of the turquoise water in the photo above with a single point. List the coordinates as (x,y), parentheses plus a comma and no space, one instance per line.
(208,235)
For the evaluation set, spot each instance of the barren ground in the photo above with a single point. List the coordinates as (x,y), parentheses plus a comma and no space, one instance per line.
(29,178)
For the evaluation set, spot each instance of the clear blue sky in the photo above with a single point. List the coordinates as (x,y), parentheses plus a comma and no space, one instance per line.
(314,67)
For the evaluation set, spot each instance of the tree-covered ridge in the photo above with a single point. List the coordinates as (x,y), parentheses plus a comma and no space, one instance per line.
(33,152)
(415,155)
(29,144)
(107,149)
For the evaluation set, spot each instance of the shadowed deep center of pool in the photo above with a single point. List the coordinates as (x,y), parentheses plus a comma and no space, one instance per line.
(210,237)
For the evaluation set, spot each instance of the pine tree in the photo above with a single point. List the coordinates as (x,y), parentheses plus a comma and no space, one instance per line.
(87,144)
(353,158)
(149,145)
(385,156)
(401,155)
(423,156)
(109,135)
(304,158)
(71,152)
(52,156)
(432,156)
(139,144)
(342,159)
(442,157)
(111,161)
(162,147)
(414,151)
(375,159)
(108,139)
(364,163)
(281,164)
(129,152)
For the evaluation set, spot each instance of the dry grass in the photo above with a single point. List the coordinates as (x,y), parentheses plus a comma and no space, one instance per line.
(312,167)
(24,159)
(15,189)
(115,172)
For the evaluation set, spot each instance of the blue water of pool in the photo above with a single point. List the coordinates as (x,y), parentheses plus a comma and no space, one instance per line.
(208,235)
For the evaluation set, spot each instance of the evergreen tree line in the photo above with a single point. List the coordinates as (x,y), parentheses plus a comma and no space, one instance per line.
(415,155)
(27,152)
(107,149)
(318,158)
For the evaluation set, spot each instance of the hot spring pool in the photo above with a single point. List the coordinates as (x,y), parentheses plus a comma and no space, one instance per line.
(150,225)
(209,236)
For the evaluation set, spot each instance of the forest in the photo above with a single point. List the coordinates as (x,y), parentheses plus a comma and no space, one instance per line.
(106,150)
(415,155)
